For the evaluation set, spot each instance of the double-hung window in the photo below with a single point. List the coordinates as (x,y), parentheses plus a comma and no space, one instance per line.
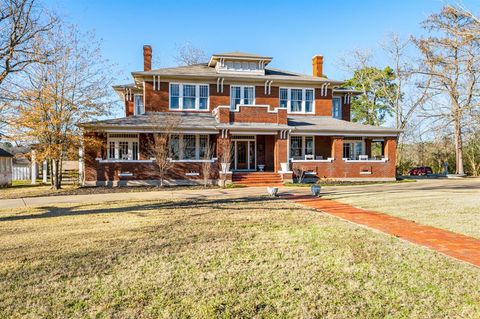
(139,108)
(297,100)
(188,96)
(301,147)
(188,147)
(241,95)
(337,108)
(123,147)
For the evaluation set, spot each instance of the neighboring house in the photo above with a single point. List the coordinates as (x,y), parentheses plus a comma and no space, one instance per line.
(276,121)
(5,168)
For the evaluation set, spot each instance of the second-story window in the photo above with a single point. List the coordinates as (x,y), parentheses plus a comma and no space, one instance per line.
(337,108)
(138,107)
(297,100)
(241,95)
(188,96)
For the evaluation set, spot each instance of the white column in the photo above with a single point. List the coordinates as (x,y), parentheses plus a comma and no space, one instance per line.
(45,172)
(33,171)
(81,165)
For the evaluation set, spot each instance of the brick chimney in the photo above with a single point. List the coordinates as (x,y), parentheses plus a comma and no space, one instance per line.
(147,58)
(317,65)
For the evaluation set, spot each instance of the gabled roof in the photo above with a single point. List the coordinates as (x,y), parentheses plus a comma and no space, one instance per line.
(4,153)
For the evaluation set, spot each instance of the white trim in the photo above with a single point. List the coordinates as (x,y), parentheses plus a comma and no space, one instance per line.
(125,174)
(123,161)
(192,174)
(117,140)
(142,111)
(383,160)
(275,110)
(213,160)
(180,96)
(328,160)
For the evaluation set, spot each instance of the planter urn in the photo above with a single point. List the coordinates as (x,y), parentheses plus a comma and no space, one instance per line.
(315,189)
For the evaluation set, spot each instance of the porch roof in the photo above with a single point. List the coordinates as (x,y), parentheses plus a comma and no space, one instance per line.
(154,121)
(322,125)
(330,125)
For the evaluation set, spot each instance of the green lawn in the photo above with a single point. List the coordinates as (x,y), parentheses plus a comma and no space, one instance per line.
(447,204)
(255,257)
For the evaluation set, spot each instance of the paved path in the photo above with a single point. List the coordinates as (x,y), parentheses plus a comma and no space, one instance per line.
(455,245)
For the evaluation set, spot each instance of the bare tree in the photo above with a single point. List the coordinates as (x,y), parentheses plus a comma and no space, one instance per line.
(451,57)
(52,99)
(207,164)
(187,54)
(22,25)
(165,145)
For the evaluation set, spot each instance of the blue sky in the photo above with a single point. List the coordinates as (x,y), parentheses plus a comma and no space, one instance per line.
(289,31)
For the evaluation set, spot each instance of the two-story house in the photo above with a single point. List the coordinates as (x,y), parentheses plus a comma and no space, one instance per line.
(275,122)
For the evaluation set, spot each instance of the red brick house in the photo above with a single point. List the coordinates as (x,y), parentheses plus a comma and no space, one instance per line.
(275,121)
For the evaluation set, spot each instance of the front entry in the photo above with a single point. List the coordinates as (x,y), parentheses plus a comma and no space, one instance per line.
(244,154)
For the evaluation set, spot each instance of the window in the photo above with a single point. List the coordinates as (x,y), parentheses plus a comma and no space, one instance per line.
(301,146)
(337,108)
(203,147)
(243,95)
(175,147)
(138,104)
(174,96)
(352,149)
(297,100)
(188,147)
(188,96)
(122,146)
(283,98)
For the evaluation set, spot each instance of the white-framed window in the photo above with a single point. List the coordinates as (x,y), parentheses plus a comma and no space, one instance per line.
(241,94)
(352,149)
(138,107)
(337,107)
(297,100)
(186,96)
(188,146)
(300,146)
(123,146)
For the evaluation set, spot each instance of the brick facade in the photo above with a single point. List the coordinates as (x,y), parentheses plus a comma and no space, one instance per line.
(272,145)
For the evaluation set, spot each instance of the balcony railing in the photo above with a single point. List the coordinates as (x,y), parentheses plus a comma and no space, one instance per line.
(366,158)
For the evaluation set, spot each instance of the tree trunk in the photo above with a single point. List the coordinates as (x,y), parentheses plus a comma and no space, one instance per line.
(56,177)
(458,145)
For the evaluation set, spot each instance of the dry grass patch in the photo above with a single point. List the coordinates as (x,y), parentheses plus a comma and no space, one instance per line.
(253,257)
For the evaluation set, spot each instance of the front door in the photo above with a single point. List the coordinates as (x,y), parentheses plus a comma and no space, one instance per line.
(244,155)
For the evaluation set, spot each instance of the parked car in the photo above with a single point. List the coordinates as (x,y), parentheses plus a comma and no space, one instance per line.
(420,171)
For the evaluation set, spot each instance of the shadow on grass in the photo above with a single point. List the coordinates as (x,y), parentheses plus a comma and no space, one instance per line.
(197,202)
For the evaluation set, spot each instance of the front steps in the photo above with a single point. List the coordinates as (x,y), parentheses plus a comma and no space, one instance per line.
(257,178)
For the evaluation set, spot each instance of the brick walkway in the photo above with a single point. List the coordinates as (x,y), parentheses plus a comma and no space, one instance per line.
(446,242)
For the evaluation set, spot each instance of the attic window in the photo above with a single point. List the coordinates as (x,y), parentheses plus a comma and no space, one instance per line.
(241,66)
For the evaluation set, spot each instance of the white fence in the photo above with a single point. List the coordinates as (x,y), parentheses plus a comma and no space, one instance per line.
(20,173)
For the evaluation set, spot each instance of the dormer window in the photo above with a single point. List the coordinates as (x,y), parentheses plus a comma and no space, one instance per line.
(239,62)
